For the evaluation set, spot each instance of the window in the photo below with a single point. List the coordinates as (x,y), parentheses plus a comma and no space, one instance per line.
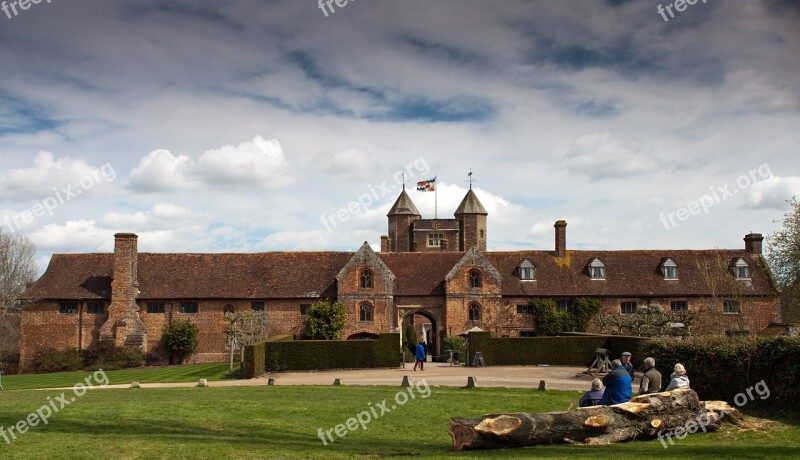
(228,308)
(669,269)
(474,279)
(679,306)
(730,307)
(525,309)
(188,307)
(95,308)
(526,270)
(155,307)
(68,308)
(435,239)
(627,308)
(366,279)
(474,312)
(365,312)
(483,233)
(304,309)
(564,305)
(597,269)
(742,269)
(257,306)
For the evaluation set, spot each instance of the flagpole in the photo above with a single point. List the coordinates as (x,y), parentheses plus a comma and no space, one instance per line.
(435,199)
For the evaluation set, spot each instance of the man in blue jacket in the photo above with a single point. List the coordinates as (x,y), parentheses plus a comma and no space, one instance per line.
(618,385)
(420,357)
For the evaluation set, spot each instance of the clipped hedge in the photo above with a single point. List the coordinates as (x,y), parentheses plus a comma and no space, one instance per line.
(574,350)
(724,368)
(305,355)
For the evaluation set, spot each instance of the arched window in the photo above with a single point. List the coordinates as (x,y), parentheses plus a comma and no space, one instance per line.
(366,279)
(365,312)
(474,311)
(474,279)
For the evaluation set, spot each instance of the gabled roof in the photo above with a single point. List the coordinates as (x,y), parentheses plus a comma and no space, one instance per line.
(470,205)
(403,205)
(299,275)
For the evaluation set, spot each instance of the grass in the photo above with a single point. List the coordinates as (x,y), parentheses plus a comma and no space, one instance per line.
(282,422)
(192,373)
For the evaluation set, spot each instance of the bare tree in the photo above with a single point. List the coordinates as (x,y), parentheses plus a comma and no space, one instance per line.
(17,269)
(718,279)
(245,328)
(784,259)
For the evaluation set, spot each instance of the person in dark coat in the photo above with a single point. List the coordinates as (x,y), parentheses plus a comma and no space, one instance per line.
(618,385)
(626,361)
(420,357)
(593,396)
(651,380)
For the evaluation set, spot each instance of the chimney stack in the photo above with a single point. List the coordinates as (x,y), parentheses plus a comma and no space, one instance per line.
(753,243)
(561,238)
(123,326)
(385,243)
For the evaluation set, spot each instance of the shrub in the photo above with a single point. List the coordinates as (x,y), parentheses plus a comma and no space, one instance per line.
(410,338)
(455,343)
(326,320)
(180,340)
(551,321)
(107,356)
(58,361)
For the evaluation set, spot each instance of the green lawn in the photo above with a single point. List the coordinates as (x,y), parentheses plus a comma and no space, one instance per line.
(283,422)
(192,373)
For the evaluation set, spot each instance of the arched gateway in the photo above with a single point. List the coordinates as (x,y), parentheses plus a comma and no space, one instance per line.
(432,324)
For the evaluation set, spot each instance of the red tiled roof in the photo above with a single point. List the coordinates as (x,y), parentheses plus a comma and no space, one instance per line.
(313,274)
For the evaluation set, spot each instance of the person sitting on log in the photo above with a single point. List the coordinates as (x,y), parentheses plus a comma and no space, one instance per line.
(593,396)
(651,380)
(618,385)
(679,378)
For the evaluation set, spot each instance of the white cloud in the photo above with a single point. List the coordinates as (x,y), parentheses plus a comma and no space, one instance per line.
(48,175)
(161,171)
(601,156)
(73,235)
(353,163)
(773,192)
(259,162)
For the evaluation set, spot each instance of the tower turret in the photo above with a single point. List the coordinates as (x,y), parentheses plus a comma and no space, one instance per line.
(402,214)
(472,222)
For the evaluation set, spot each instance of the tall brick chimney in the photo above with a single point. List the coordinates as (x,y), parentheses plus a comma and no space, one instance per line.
(385,243)
(561,238)
(753,243)
(123,326)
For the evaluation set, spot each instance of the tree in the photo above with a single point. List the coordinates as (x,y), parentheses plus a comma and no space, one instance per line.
(245,328)
(326,320)
(17,269)
(551,321)
(648,321)
(717,278)
(410,338)
(180,339)
(783,256)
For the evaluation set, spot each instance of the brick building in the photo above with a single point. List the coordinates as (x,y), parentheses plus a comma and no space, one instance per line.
(436,273)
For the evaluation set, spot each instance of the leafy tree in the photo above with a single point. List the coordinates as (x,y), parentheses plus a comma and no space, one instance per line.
(326,320)
(245,328)
(411,338)
(551,321)
(783,255)
(181,339)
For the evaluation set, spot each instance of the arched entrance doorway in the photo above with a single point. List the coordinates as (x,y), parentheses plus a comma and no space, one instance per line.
(427,325)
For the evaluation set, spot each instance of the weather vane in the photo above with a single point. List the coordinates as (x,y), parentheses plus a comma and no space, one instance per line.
(470,179)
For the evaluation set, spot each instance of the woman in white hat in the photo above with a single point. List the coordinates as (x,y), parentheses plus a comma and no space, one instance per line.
(679,378)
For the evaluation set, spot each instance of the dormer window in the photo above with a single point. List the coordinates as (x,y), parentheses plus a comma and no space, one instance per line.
(741,269)
(474,279)
(597,269)
(365,280)
(527,271)
(669,269)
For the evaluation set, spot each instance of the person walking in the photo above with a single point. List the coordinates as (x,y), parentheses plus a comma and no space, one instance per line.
(651,380)
(420,357)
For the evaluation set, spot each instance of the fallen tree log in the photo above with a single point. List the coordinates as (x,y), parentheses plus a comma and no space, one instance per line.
(643,417)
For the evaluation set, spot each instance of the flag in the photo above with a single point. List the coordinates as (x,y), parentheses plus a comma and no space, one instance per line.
(427,185)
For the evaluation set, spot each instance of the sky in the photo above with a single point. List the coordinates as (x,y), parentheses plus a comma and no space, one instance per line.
(249,126)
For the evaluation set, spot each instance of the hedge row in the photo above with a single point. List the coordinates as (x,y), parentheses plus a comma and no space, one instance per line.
(724,368)
(304,355)
(577,350)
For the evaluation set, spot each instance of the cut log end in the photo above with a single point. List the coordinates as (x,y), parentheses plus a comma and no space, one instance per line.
(499,426)
(462,435)
(596,421)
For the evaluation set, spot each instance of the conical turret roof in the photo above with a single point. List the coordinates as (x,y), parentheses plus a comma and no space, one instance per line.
(471,205)
(403,205)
